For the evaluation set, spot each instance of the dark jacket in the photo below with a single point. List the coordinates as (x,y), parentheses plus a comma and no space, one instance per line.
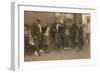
(36,33)
(74,31)
(80,37)
(57,34)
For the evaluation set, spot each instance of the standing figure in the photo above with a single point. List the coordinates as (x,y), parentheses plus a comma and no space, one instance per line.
(36,31)
(88,32)
(28,42)
(62,32)
(67,35)
(56,27)
(80,37)
(46,37)
(74,35)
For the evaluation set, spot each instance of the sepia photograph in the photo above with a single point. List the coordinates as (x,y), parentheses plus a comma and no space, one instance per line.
(56,36)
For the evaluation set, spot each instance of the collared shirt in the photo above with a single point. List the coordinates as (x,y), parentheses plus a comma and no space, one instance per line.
(57,26)
(40,28)
(67,32)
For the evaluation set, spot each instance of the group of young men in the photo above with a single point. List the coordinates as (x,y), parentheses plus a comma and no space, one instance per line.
(65,34)
(36,40)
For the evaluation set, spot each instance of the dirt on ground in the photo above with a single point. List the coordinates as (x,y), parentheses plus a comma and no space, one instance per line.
(62,54)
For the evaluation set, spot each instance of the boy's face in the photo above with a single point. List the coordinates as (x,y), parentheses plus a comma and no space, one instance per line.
(38,22)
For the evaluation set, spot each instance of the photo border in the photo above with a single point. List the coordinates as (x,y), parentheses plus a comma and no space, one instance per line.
(17,58)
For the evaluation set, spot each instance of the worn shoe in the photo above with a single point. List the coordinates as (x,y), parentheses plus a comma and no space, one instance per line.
(36,53)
